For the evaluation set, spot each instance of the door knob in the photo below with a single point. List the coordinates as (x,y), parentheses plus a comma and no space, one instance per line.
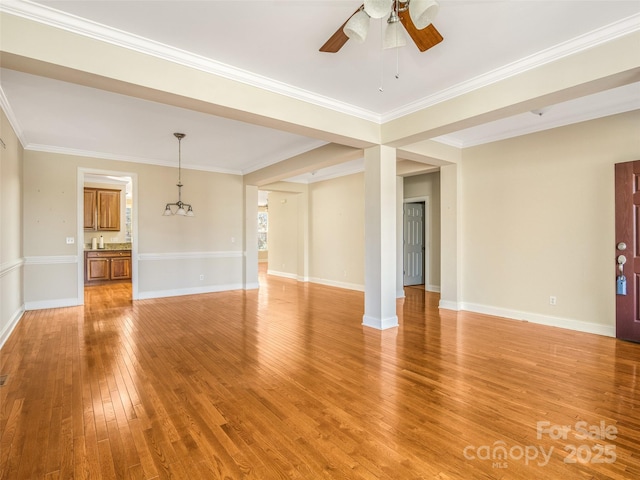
(621,261)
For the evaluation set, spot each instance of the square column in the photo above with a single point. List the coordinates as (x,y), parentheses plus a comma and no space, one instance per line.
(250,243)
(380,238)
(400,237)
(451,249)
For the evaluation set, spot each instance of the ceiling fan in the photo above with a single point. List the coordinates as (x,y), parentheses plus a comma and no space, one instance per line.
(415,15)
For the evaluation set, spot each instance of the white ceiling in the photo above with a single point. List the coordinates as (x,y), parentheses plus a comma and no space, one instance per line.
(275,45)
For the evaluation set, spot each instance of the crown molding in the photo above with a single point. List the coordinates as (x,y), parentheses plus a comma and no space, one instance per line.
(612,109)
(51,17)
(124,158)
(578,44)
(96,31)
(13,120)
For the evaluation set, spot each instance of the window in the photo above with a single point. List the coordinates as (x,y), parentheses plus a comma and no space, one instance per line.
(263,228)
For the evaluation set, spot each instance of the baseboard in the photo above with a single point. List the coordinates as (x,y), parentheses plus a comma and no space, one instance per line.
(276,273)
(190,291)
(321,281)
(56,303)
(251,286)
(433,288)
(333,283)
(380,323)
(567,323)
(449,305)
(15,319)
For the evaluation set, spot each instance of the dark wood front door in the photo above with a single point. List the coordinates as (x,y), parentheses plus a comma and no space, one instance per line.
(627,244)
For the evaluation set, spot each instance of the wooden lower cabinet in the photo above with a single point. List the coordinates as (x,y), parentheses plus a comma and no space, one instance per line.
(107,266)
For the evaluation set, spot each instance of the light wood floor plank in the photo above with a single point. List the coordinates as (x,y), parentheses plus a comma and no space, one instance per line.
(286,383)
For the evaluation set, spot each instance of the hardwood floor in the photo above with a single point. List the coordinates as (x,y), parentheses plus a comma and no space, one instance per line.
(284,382)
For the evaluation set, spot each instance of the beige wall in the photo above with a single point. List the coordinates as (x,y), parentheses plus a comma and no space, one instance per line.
(283,233)
(263,255)
(535,219)
(428,185)
(337,231)
(538,220)
(11,256)
(173,252)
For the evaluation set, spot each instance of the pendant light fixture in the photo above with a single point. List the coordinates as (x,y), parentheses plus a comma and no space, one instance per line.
(183,209)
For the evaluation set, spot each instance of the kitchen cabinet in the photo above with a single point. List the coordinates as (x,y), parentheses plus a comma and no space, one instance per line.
(90,208)
(106,266)
(102,209)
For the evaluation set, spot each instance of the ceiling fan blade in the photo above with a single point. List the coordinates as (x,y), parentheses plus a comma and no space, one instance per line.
(338,39)
(425,38)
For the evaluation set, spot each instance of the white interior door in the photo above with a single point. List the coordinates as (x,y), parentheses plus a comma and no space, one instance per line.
(414,243)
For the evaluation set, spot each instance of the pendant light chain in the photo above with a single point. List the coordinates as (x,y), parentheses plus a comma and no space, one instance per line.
(381,88)
(179,204)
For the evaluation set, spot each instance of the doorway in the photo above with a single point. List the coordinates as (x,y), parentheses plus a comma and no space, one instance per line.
(107,254)
(414,243)
(627,259)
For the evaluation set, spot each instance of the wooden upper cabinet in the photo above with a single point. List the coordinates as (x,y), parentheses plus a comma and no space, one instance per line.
(109,210)
(105,214)
(90,220)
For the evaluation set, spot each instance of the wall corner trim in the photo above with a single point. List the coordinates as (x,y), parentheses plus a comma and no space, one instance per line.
(11,325)
(449,305)
(7,267)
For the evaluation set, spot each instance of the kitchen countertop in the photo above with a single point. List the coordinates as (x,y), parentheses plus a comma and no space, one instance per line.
(108,246)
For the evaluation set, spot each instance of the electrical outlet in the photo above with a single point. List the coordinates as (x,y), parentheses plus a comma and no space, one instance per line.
(201,277)
(552,300)
(71,240)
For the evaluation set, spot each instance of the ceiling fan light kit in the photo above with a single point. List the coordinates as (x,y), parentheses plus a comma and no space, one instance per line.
(423,12)
(415,15)
(358,26)
(378,8)
(394,36)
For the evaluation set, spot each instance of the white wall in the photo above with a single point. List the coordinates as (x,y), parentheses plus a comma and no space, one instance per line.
(538,220)
(11,208)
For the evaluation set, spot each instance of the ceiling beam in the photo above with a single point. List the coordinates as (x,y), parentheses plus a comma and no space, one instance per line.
(408,168)
(430,152)
(321,157)
(592,70)
(36,48)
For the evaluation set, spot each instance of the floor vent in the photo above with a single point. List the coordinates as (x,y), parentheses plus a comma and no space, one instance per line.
(3,379)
